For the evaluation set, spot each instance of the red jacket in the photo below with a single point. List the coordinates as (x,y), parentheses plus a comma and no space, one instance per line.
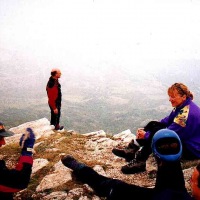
(53,89)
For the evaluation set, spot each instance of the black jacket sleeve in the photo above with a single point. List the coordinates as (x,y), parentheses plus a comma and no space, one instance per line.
(14,180)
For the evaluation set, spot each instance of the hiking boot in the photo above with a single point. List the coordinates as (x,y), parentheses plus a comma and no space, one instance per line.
(59,128)
(127,153)
(72,163)
(133,167)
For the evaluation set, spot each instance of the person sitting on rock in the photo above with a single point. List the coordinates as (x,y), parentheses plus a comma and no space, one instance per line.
(184,120)
(15,180)
(170,184)
(129,152)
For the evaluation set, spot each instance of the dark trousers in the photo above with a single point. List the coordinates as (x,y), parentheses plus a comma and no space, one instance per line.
(169,183)
(113,189)
(6,196)
(55,118)
(146,150)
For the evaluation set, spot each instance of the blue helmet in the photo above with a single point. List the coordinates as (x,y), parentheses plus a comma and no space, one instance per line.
(166,145)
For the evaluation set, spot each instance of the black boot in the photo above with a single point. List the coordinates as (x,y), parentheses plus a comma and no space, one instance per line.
(128,152)
(138,164)
(72,163)
(133,167)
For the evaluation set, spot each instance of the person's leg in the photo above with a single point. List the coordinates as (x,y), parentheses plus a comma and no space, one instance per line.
(138,164)
(171,194)
(170,183)
(58,119)
(152,127)
(101,184)
(53,117)
(170,175)
(6,196)
(131,151)
(141,142)
(58,127)
(144,152)
(113,189)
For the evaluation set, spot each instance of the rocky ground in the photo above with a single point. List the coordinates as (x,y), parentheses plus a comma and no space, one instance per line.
(52,180)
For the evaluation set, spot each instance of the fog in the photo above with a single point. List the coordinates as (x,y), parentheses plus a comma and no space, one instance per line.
(97,33)
(97,44)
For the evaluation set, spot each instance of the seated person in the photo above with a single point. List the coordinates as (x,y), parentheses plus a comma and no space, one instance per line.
(195,182)
(129,152)
(170,184)
(15,180)
(184,120)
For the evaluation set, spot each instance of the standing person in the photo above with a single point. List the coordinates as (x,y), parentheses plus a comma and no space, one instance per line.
(195,182)
(54,94)
(184,120)
(14,180)
(170,184)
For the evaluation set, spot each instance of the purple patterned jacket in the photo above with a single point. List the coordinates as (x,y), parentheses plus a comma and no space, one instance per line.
(185,121)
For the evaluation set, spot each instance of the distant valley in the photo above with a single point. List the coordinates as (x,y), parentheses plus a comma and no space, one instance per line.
(110,100)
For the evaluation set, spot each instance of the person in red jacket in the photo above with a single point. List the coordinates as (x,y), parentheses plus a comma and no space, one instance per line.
(14,180)
(54,94)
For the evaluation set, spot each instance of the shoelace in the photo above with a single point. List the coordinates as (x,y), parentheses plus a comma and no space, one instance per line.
(135,162)
(132,162)
(121,149)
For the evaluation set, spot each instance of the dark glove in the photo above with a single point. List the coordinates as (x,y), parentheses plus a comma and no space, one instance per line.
(27,142)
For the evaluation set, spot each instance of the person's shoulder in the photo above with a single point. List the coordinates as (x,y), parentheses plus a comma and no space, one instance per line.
(194,107)
(51,82)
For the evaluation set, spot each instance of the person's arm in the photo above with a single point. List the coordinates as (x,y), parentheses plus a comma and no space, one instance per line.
(167,120)
(181,131)
(177,122)
(140,133)
(14,180)
(52,96)
(150,129)
(170,118)
(52,93)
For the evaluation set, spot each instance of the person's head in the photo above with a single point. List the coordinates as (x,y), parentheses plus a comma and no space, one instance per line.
(178,93)
(4,133)
(166,146)
(56,73)
(195,182)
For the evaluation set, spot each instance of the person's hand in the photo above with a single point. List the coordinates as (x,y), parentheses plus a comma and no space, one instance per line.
(27,142)
(140,133)
(55,111)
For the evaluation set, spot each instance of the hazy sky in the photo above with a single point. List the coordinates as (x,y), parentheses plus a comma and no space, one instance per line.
(98,33)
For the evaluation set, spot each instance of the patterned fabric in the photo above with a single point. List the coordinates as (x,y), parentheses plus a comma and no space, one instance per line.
(182,116)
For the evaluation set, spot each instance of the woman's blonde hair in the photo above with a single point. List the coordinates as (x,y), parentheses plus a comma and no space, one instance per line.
(181,89)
